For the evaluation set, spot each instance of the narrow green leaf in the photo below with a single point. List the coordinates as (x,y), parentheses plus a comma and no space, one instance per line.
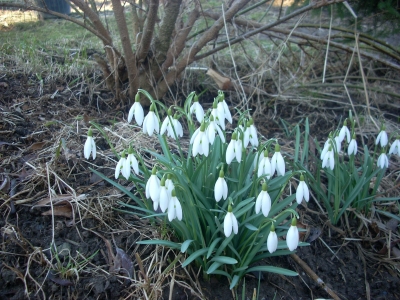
(272,269)
(213,267)
(225,260)
(185,245)
(194,255)
(161,243)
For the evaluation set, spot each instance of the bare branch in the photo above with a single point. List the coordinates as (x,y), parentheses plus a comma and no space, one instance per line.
(148,30)
(163,40)
(126,46)
(300,11)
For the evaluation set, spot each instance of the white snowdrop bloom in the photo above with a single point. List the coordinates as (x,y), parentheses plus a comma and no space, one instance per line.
(292,237)
(153,187)
(253,134)
(220,188)
(382,138)
(272,240)
(90,146)
(395,147)
(352,149)
(123,167)
(302,191)
(246,135)
(197,109)
(166,125)
(174,208)
(234,149)
(223,107)
(230,223)
(218,115)
(338,144)
(263,202)
(151,123)
(212,129)
(178,127)
(200,143)
(195,133)
(344,133)
(329,159)
(164,197)
(277,162)
(327,145)
(383,161)
(169,185)
(264,166)
(137,111)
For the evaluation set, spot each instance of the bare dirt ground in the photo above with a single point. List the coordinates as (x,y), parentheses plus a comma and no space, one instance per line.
(41,150)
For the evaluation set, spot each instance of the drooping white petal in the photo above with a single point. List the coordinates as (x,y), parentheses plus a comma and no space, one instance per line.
(119,167)
(352,147)
(344,132)
(164,198)
(292,238)
(164,126)
(198,110)
(230,223)
(238,150)
(137,111)
(382,138)
(178,128)
(302,192)
(253,136)
(263,203)
(126,169)
(93,148)
(278,164)
(383,161)
(227,112)
(230,152)
(174,209)
(87,149)
(264,167)
(325,149)
(195,133)
(395,147)
(272,242)
(220,189)
(338,144)
(153,188)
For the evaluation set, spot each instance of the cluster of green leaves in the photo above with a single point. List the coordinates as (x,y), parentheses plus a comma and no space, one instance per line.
(200,234)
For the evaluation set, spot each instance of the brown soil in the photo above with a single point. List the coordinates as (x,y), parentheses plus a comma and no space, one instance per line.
(31,129)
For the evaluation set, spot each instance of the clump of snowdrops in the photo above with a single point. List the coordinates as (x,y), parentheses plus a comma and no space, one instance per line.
(345,177)
(224,198)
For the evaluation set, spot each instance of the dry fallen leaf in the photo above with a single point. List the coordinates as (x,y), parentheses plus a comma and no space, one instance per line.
(37,146)
(60,210)
(123,262)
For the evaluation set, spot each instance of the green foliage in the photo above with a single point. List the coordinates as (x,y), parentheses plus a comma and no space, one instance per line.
(200,234)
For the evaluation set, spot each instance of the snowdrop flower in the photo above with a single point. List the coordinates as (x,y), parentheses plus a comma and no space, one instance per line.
(383,161)
(169,185)
(150,123)
(327,145)
(382,137)
(253,134)
(137,111)
(177,126)
(90,146)
(200,142)
(264,166)
(263,201)
(344,133)
(164,197)
(246,134)
(302,191)
(234,149)
(338,144)
(123,167)
(220,188)
(329,159)
(166,125)
(153,187)
(212,129)
(292,237)
(230,223)
(218,115)
(352,149)
(223,107)
(395,148)
(277,162)
(197,109)
(174,208)
(272,240)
